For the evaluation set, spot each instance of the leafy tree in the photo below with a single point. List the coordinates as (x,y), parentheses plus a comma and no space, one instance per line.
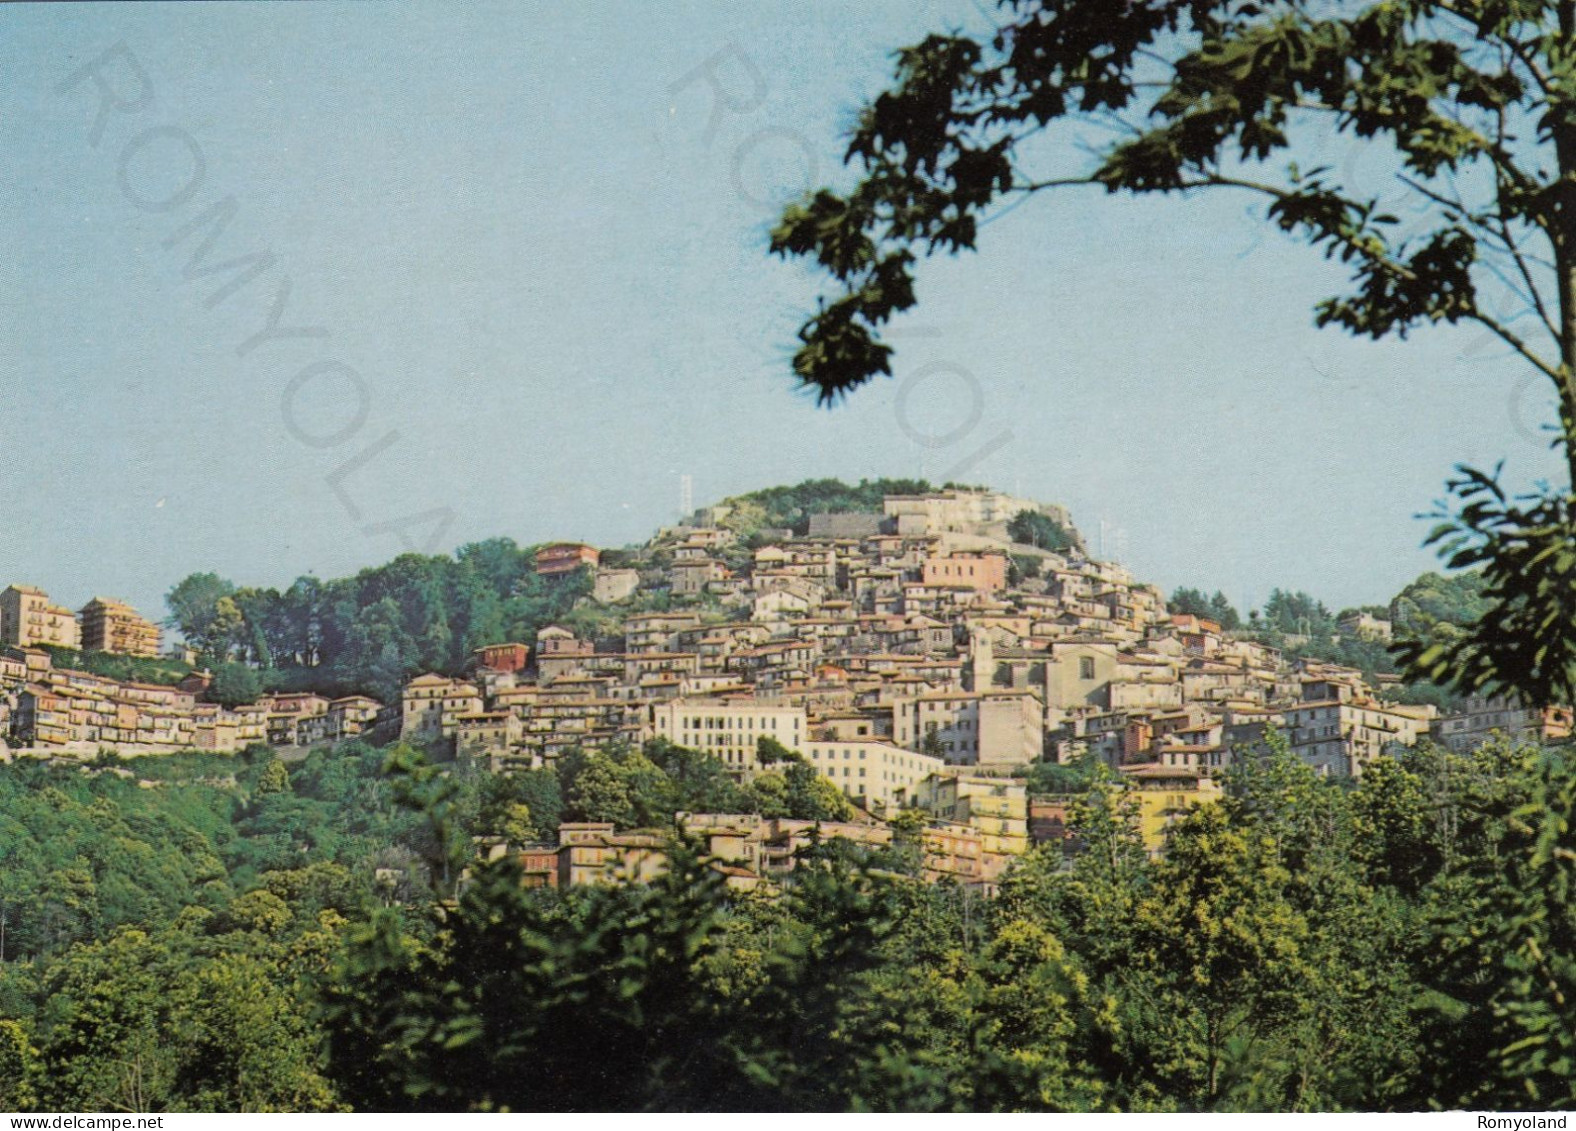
(1217,608)
(195,610)
(132,669)
(1500,962)
(1436,606)
(768,794)
(372,632)
(436,795)
(1091,907)
(770,752)
(19,1068)
(540,792)
(1297,613)
(235,684)
(599,1004)
(1188,602)
(1525,547)
(274,779)
(1393,818)
(700,782)
(180,1020)
(826,1037)
(1040,530)
(1055,777)
(102,1036)
(1030,1023)
(1471,105)
(1224,613)
(1220,950)
(791,507)
(811,797)
(247,1045)
(602,792)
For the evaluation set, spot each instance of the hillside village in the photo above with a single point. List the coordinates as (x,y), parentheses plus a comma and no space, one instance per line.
(920,656)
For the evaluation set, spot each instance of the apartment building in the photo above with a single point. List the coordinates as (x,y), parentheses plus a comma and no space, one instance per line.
(729,729)
(564,558)
(998,808)
(1165,795)
(984,573)
(1342,737)
(879,775)
(109,625)
(1481,717)
(28,619)
(972,728)
(428,699)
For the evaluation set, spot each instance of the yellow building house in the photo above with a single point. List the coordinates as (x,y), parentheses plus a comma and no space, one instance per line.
(1165,794)
(27,618)
(109,625)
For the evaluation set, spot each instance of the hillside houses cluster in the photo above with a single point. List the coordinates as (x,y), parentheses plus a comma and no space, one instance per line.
(899,649)
(903,654)
(55,711)
(28,618)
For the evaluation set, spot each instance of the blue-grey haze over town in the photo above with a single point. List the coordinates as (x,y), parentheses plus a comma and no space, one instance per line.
(534,241)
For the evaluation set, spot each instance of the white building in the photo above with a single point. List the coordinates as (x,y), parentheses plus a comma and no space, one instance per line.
(728,729)
(880,774)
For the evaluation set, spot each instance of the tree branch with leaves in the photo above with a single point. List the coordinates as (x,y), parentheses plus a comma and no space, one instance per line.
(1470,104)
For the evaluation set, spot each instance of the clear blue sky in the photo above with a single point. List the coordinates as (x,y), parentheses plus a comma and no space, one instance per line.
(538,241)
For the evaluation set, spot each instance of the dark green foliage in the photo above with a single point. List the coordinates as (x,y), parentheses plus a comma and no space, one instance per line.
(1217,608)
(1480,837)
(19,1068)
(1041,531)
(796,790)
(645,787)
(1438,604)
(1042,778)
(198,609)
(234,684)
(530,798)
(1524,640)
(1301,626)
(1409,943)
(1185,601)
(370,633)
(81,855)
(596,1004)
(85,852)
(1209,95)
(1296,614)
(207,1014)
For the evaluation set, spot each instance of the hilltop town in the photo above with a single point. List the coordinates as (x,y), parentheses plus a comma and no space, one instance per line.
(926,654)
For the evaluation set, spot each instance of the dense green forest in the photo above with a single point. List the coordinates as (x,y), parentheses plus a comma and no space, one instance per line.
(372,632)
(204,932)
